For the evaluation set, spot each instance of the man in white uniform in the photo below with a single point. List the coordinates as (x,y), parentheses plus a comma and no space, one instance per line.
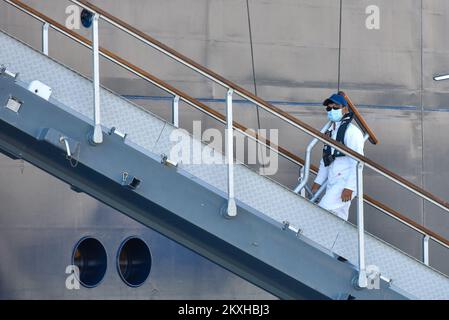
(338,169)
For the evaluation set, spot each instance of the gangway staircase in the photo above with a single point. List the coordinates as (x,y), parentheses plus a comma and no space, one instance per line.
(47,118)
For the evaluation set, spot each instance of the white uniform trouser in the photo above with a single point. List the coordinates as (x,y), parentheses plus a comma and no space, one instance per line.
(331,200)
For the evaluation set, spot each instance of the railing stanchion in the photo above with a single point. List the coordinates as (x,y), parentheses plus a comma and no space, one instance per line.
(319,192)
(362,278)
(426,249)
(306,169)
(98,134)
(232,208)
(175,111)
(45,28)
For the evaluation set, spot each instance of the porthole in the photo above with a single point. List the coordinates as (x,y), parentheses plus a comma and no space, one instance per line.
(91,259)
(134,261)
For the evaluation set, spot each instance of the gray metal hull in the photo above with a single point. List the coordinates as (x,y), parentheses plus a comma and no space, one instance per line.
(42,220)
(387,71)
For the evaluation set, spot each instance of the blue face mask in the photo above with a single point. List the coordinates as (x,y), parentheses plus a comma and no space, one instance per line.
(335,115)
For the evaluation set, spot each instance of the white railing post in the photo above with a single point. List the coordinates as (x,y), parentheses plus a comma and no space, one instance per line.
(426,249)
(98,134)
(232,208)
(45,28)
(305,171)
(362,278)
(175,111)
(301,180)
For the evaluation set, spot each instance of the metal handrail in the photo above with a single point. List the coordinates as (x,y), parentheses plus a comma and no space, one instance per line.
(261,103)
(305,171)
(211,75)
(273,110)
(360,120)
(219,117)
(306,168)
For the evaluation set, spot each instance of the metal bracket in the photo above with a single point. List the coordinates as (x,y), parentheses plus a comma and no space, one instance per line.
(4,70)
(40,89)
(373,277)
(369,278)
(286,226)
(130,181)
(59,140)
(65,141)
(166,161)
(114,130)
(13,104)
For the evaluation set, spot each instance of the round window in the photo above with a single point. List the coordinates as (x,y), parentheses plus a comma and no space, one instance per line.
(134,262)
(91,259)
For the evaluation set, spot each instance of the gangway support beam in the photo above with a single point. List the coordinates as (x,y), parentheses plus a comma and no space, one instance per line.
(258,250)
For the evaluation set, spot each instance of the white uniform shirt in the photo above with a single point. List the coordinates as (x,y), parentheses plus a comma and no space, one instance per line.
(342,173)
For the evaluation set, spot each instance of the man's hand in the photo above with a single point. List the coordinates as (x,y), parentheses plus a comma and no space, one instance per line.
(346,195)
(315,187)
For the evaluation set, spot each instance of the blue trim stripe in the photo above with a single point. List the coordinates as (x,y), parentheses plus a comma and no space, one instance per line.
(288,103)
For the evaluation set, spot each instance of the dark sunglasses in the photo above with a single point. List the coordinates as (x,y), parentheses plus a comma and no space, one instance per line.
(328,108)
